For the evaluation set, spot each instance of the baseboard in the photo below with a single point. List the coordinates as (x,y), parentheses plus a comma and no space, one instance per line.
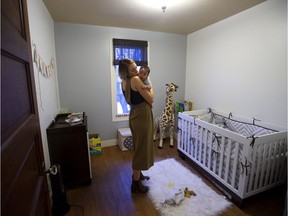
(108,143)
(113,142)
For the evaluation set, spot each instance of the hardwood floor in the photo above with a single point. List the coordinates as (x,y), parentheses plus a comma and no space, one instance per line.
(110,195)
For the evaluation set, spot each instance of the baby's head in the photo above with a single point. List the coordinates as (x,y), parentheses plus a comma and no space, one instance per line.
(144,72)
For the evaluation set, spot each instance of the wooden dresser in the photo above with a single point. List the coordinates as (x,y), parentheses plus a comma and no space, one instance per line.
(69,147)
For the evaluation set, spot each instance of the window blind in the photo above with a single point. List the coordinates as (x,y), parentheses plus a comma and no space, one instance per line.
(134,49)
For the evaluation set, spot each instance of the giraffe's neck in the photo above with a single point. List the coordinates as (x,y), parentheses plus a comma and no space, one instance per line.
(169,100)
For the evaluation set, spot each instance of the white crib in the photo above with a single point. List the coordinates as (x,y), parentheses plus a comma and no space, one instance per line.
(241,157)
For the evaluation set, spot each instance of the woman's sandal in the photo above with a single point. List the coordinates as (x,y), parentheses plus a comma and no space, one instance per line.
(142,177)
(138,187)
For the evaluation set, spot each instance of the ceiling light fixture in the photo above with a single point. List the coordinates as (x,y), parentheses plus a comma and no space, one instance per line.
(163,4)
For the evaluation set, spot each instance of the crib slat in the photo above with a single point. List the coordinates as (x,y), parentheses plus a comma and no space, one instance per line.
(202,145)
(283,156)
(227,166)
(268,169)
(278,161)
(179,133)
(282,166)
(183,133)
(252,173)
(180,123)
(196,138)
(220,170)
(205,153)
(264,164)
(214,152)
(193,138)
(185,136)
(187,143)
(246,159)
(273,163)
(258,161)
(204,140)
(235,161)
(199,140)
(202,130)
(209,151)
(189,137)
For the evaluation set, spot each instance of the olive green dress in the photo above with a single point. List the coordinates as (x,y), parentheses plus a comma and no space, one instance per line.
(141,125)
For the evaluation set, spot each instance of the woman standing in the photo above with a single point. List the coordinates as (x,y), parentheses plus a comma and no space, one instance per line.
(140,121)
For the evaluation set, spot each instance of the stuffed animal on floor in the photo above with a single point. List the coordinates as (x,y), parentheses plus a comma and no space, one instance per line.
(175,200)
(188,193)
(166,119)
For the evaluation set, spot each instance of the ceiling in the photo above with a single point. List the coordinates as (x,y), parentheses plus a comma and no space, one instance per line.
(180,17)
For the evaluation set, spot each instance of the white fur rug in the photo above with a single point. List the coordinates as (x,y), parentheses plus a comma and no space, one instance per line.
(168,176)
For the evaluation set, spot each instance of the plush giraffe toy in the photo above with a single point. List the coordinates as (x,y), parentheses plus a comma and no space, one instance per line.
(167,117)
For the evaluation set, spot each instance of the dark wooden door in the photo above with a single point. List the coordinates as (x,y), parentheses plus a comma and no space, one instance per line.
(23,182)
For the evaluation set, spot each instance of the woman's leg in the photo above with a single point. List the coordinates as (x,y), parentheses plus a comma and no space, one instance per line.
(136,175)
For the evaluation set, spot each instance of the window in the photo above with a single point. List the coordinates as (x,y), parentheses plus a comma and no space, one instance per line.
(122,48)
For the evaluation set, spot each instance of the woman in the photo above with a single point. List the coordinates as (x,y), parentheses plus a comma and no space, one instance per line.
(140,121)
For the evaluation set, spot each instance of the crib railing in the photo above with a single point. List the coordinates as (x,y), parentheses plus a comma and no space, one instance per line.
(246,166)
(269,163)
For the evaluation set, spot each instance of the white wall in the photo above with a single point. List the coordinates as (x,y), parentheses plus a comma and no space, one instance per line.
(42,35)
(239,65)
(84,62)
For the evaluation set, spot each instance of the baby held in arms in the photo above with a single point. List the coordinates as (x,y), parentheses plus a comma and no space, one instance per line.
(144,76)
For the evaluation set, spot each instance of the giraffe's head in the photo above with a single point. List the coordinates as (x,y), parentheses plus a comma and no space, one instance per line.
(171,87)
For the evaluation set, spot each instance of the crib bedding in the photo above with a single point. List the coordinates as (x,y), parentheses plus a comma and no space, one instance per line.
(247,158)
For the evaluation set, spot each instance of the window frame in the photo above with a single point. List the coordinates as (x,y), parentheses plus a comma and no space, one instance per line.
(113,71)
